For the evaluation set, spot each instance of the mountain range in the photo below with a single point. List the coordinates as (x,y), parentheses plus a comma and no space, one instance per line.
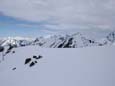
(76,40)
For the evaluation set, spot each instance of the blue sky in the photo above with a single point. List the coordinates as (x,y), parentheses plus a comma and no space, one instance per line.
(10,26)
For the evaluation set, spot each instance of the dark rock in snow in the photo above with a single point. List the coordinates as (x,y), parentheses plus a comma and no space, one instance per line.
(39,57)
(61,45)
(36,62)
(1,49)
(27,60)
(14,68)
(68,45)
(13,51)
(32,64)
(34,57)
(9,49)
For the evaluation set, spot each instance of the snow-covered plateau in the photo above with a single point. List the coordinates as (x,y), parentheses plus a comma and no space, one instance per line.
(91,66)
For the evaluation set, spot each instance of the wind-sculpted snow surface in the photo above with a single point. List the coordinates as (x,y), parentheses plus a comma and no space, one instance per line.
(91,66)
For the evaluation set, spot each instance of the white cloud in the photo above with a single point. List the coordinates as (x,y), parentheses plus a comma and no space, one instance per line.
(63,14)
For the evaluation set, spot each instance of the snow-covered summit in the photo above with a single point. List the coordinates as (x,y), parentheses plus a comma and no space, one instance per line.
(17,41)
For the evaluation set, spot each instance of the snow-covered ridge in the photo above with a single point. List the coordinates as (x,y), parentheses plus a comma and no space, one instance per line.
(59,41)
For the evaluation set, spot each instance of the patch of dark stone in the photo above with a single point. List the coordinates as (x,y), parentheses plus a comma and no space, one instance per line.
(10,49)
(2,51)
(28,60)
(36,62)
(32,62)
(37,57)
(14,68)
(61,45)
(13,52)
(34,57)
(68,45)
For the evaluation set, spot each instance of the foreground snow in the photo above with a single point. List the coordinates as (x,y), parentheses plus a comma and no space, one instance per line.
(93,66)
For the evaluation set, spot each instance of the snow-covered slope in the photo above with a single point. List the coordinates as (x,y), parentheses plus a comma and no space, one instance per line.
(91,66)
